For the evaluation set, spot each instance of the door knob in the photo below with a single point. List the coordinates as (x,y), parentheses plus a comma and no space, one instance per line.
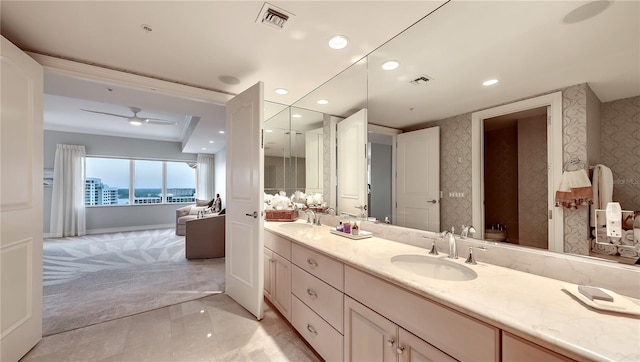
(433,201)
(254,215)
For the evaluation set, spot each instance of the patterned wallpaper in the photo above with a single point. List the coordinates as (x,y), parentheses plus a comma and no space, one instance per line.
(620,149)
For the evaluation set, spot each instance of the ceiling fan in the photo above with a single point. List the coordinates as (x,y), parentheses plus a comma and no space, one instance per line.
(135,120)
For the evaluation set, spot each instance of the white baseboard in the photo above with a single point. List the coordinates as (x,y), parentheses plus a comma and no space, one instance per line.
(123,229)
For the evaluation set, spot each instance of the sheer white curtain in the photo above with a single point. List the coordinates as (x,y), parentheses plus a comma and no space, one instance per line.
(204,183)
(67,201)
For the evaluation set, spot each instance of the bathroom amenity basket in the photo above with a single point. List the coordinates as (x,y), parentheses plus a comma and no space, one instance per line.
(281,215)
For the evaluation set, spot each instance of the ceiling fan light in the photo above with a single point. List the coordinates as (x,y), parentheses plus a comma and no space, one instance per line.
(135,122)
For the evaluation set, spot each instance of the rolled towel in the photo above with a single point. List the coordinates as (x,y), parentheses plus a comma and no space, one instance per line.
(608,249)
(636,236)
(627,238)
(627,251)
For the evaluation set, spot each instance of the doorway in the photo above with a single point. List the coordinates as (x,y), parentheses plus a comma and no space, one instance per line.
(515,175)
(555,218)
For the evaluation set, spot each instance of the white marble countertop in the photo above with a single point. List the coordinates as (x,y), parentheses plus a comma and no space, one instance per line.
(531,306)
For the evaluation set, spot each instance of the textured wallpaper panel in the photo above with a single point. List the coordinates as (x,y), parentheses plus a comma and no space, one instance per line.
(574,144)
(620,149)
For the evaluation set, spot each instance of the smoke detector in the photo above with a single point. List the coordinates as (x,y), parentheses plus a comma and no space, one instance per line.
(421,80)
(273,16)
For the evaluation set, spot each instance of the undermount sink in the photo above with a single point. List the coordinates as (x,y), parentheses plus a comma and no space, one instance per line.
(436,268)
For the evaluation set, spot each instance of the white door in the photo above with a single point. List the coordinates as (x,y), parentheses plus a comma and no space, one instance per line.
(244,243)
(418,181)
(352,163)
(20,202)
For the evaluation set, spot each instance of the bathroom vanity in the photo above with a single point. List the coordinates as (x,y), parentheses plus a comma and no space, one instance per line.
(367,300)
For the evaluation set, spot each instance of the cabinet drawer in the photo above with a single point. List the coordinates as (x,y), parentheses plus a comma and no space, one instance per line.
(462,337)
(517,349)
(320,335)
(319,296)
(278,244)
(322,266)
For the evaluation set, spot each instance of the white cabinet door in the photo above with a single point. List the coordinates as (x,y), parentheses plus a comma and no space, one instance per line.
(418,181)
(20,202)
(414,349)
(268,267)
(281,292)
(244,243)
(367,335)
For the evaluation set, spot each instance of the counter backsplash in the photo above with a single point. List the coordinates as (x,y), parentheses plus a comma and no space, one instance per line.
(620,278)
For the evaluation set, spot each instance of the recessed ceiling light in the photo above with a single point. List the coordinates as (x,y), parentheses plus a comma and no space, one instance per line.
(281,91)
(211,141)
(322,101)
(228,79)
(221,132)
(135,123)
(490,82)
(268,130)
(296,115)
(204,148)
(338,42)
(390,65)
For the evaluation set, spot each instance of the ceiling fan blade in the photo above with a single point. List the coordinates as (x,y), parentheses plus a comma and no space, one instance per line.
(160,122)
(105,113)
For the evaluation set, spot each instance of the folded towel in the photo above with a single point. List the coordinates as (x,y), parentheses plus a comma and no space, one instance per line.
(627,237)
(636,236)
(575,190)
(627,251)
(608,249)
(602,190)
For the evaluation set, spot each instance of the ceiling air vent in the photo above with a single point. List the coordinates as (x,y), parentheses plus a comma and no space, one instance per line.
(421,80)
(273,16)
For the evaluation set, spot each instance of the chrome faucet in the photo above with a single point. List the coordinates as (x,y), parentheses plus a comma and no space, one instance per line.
(312,219)
(453,251)
(326,211)
(434,249)
(466,230)
(362,209)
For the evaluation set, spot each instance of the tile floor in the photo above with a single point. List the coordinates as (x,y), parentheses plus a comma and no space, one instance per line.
(214,328)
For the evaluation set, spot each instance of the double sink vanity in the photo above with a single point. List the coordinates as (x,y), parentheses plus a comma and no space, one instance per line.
(377,299)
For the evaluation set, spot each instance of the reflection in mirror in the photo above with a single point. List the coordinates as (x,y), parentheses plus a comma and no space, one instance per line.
(445,58)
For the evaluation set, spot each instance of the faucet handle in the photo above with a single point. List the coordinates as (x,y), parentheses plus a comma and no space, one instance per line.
(470,258)
(434,250)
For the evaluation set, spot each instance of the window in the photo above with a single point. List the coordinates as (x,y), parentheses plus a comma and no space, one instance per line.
(111,181)
(181,181)
(106,181)
(147,182)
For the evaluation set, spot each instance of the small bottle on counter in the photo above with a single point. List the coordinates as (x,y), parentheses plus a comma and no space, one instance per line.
(340,227)
(355,229)
(347,227)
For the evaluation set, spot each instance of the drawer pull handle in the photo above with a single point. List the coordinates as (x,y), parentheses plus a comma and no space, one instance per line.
(312,262)
(312,293)
(400,349)
(311,329)
(391,342)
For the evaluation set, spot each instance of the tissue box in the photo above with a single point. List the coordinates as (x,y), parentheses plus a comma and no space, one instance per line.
(281,215)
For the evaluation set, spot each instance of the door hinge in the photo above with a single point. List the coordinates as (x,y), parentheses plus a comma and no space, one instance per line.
(262,138)
(550,214)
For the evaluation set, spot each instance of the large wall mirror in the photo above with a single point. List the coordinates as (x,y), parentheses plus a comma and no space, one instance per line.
(430,77)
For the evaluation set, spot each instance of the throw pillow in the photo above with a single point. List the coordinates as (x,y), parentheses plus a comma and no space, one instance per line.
(202,202)
(222,212)
(211,202)
(194,210)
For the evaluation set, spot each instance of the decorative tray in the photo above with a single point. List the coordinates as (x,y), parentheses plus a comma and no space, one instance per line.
(620,304)
(362,235)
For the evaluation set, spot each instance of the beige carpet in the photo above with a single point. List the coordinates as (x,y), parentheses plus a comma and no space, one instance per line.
(96,278)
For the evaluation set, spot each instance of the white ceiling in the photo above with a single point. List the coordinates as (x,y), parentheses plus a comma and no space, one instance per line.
(193,43)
